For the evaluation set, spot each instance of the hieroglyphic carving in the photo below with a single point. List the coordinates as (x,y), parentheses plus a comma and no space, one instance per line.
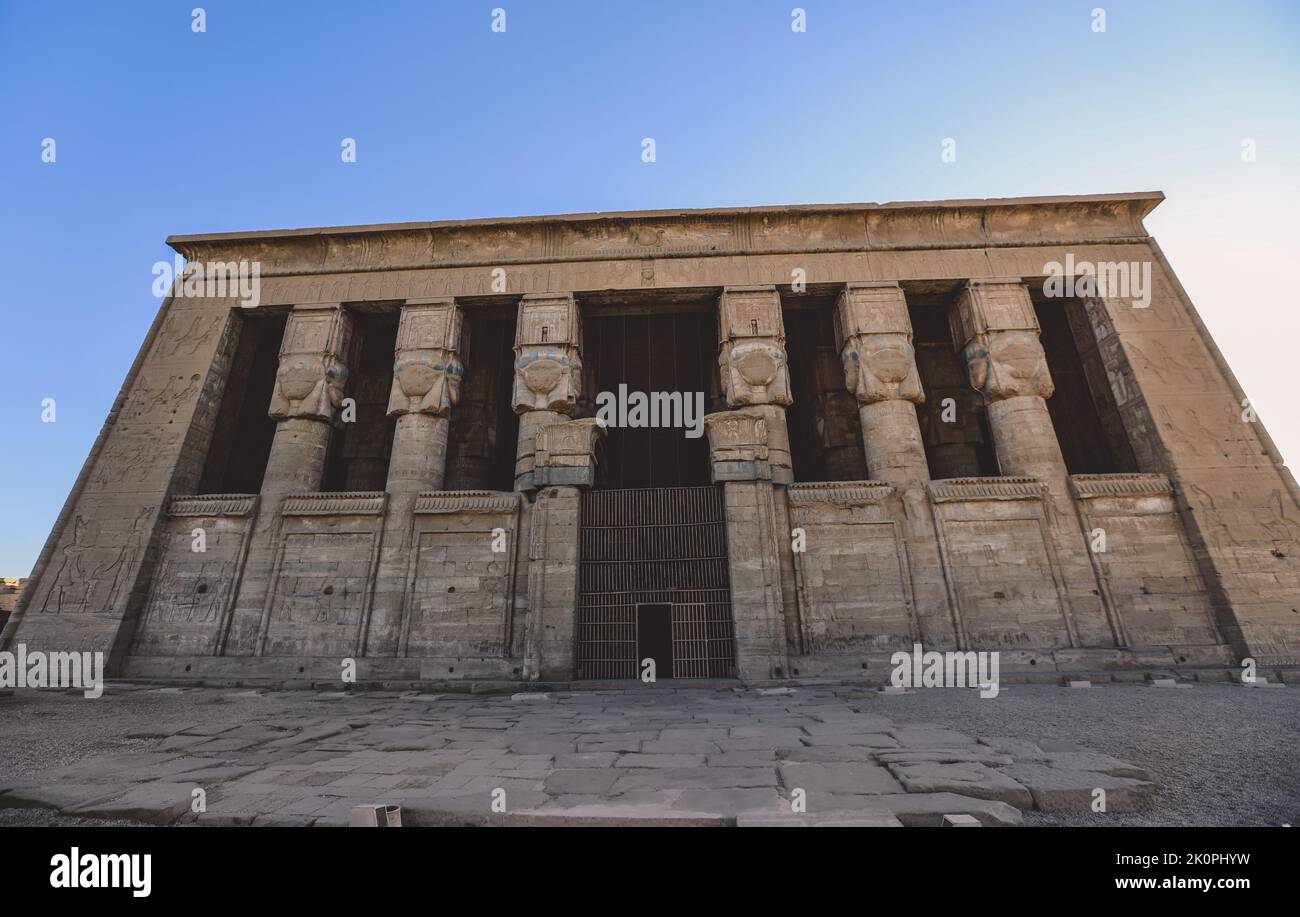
(89,573)
(736,436)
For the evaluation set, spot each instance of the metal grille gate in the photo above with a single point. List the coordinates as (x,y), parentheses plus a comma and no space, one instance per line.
(665,545)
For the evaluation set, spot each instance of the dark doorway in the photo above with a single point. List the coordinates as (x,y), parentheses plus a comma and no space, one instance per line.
(673,352)
(654,638)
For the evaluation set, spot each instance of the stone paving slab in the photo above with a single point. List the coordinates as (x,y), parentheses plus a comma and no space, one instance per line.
(811,756)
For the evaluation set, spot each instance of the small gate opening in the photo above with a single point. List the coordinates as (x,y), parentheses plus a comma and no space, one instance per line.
(654,638)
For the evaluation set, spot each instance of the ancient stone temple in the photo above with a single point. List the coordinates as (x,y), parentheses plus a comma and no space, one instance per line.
(757,443)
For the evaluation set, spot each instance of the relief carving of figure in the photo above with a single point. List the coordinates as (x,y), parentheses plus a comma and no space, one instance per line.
(425,381)
(547,379)
(754,371)
(882,367)
(1008,364)
(308,385)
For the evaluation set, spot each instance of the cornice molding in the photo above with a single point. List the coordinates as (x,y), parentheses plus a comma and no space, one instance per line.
(838,493)
(1090,486)
(467,501)
(956,490)
(813,228)
(344,503)
(212,505)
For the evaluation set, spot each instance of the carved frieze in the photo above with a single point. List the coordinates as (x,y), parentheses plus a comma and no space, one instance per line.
(467,501)
(212,505)
(340,503)
(839,493)
(1002,488)
(1089,486)
(736,436)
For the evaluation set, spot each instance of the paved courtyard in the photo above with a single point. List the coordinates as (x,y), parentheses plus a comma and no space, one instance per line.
(1199,754)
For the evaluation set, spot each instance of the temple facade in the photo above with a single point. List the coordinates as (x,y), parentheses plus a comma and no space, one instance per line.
(754,443)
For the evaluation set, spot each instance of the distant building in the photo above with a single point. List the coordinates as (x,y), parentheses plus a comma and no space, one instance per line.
(10,589)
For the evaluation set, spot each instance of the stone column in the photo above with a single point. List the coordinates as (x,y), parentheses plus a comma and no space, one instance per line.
(996,329)
(752,365)
(875,336)
(309,386)
(564,465)
(757,530)
(548,371)
(879,361)
(426,386)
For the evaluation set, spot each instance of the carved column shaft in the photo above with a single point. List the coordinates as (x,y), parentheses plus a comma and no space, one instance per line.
(426,385)
(753,368)
(875,334)
(309,385)
(995,327)
(548,371)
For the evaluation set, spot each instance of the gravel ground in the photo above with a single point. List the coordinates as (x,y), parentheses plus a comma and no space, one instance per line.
(1221,754)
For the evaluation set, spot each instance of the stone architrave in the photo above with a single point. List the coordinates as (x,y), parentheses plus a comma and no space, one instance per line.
(548,371)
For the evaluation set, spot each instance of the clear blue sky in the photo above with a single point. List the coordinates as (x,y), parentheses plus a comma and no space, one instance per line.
(160,130)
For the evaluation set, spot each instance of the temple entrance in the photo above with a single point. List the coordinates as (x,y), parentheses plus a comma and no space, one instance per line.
(653,583)
(653,580)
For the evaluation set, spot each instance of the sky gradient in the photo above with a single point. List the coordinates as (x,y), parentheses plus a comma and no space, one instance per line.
(161,131)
